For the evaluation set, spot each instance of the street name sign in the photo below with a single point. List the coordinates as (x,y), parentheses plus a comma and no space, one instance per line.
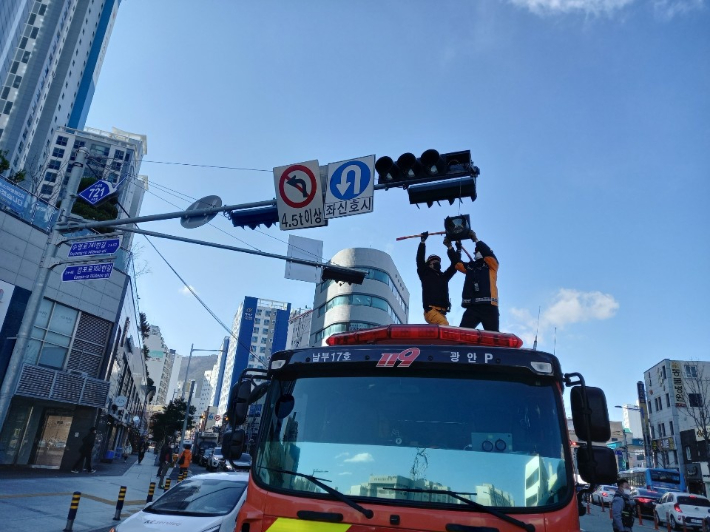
(97,192)
(351,187)
(88,272)
(299,196)
(89,248)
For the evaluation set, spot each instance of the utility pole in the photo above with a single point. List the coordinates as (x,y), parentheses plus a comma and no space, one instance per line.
(48,262)
(187,415)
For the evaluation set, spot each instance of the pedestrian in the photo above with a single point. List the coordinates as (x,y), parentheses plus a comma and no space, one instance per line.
(622,508)
(87,447)
(165,458)
(435,283)
(480,288)
(127,451)
(185,458)
(141,451)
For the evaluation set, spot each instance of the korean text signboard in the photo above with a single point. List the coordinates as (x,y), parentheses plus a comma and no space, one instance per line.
(94,247)
(351,187)
(299,196)
(88,272)
(677,378)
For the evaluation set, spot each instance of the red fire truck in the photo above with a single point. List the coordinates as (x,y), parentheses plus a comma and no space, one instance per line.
(417,427)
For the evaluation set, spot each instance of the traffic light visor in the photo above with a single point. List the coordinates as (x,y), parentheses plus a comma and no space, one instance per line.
(433,163)
(387,170)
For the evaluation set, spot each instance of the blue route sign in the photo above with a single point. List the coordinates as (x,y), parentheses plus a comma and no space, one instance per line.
(97,192)
(94,247)
(88,272)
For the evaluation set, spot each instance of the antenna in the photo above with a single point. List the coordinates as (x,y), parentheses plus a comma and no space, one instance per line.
(537,330)
(554,348)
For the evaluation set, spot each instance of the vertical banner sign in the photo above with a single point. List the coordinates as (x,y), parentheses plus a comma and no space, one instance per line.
(299,196)
(351,187)
(677,383)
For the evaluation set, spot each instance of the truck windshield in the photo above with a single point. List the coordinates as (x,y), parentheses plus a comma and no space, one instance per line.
(497,442)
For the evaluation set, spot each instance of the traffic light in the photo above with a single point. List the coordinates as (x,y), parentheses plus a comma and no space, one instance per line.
(343,275)
(252,218)
(431,177)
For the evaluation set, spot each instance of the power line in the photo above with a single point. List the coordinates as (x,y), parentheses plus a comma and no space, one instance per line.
(209,166)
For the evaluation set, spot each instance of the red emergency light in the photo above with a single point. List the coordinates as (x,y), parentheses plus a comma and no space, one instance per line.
(426,334)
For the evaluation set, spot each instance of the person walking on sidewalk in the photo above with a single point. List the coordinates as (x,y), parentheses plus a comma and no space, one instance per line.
(141,451)
(165,458)
(127,451)
(87,447)
(185,458)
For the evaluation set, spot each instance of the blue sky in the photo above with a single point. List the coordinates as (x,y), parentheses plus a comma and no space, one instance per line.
(589,120)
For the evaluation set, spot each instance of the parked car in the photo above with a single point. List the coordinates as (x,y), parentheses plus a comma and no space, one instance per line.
(646,500)
(215,460)
(674,507)
(207,502)
(604,493)
(205,458)
(199,453)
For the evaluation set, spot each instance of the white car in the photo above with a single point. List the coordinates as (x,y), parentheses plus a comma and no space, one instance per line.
(205,503)
(215,461)
(675,507)
(603,493)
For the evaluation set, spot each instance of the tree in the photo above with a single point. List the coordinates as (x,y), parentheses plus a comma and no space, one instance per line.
(696,396)
(164,424)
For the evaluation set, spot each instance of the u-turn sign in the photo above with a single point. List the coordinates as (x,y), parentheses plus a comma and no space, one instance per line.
(351,187)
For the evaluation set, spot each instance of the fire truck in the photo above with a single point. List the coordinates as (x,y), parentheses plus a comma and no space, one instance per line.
(417,427)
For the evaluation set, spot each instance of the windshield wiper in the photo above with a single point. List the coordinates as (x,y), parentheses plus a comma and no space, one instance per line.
(335,493)
(525,526)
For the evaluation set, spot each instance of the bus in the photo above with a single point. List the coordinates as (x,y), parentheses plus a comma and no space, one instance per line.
(423,427)
(654,478)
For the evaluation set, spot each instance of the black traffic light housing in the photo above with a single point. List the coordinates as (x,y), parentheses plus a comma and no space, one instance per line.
(343,275)
(252,218)
(432,177)
(457,227)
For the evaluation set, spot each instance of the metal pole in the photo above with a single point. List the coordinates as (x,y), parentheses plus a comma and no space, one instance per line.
(187,372)
(187,415)
(166,216)
(40,285)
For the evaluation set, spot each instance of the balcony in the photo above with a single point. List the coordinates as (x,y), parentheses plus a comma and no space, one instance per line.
(54,385)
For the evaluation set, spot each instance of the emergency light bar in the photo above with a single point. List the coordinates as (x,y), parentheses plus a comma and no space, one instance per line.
(425,334)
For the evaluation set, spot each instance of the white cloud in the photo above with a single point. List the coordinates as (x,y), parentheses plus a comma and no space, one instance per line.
(345,473)
(184,290)
(668,9)
(361,458)
(567,307)
(589,7)
(342,455)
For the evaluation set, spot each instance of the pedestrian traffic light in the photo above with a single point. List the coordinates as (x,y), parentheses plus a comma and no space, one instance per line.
(254,217)
(431,177)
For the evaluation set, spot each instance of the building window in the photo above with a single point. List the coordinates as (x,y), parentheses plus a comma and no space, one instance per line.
(50,177)
(54,164)
(254,339)
(46,190)
(258,312)
(691,371)
(256,330)
(52,334)
(668,400)
(653,432)
(62,141)
(670,426)
(262,350)
(695,400)
(650,410)
(257,321)
(267,321)
(118,154)
(58,153)
(16,83)
(263,340)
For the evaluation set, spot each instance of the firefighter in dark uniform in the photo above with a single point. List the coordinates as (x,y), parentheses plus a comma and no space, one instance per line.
(480,288)
(435,283)
(622,508)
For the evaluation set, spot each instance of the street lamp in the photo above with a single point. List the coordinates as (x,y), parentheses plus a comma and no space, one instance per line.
(187,371)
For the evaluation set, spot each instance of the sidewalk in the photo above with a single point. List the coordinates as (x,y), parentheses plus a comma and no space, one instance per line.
(38,499)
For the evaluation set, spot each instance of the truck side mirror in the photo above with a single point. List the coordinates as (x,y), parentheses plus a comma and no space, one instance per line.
(233,444)
(597,466)
(595,410)
(239,402)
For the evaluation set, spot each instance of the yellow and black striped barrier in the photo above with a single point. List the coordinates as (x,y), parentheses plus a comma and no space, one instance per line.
(119,503)
(73,507)
(167,484)
(151,491)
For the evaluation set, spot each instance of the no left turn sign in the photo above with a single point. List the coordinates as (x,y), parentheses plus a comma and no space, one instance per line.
(299,195)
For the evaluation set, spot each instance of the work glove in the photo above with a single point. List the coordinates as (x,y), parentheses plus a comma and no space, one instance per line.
(424,236)
(447,242)
(473,235)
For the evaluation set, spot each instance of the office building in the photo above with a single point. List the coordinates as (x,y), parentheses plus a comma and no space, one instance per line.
(51,52)
(382,299)
(160,364)
(261,327)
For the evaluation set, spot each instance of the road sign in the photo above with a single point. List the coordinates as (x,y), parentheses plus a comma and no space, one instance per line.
(299,196)
(351,187)
(88,248)
(97,192)
(88,272)
(217,417)
(208,202)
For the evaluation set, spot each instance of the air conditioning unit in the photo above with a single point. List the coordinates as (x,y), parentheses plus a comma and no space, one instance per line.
(77,372)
